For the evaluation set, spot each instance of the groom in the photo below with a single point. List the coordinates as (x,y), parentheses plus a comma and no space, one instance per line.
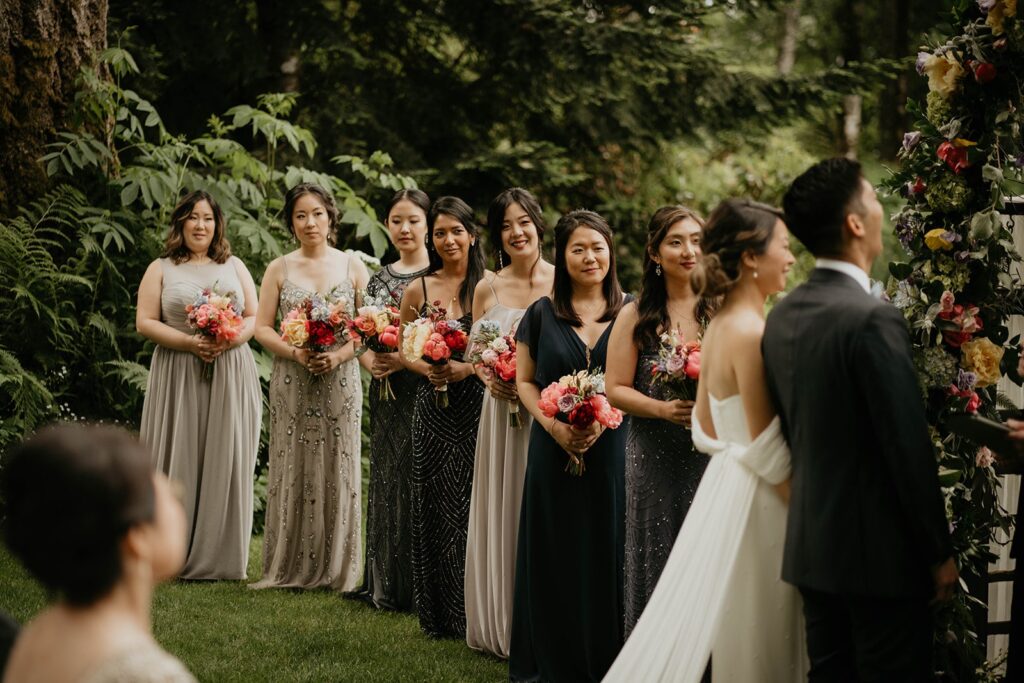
(867,541)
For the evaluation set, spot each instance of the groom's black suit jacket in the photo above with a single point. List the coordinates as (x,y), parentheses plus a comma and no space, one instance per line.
(866,515)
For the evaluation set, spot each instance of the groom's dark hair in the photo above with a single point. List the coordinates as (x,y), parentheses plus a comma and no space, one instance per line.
(818,201)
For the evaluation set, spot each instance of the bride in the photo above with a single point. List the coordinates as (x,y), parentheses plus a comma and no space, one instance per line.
(721,593)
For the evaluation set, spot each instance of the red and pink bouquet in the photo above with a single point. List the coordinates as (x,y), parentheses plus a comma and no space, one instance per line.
(958,322)
(375,327)
(216,316)
(496,354)
(579,400)
(315,324)
(434,339)
(678,366)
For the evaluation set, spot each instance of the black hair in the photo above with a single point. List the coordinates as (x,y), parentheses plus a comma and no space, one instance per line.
(460,211)
(326,198)
(496,220)
(735,227)
(561,297)
(818,201)
(72,491)
(219,250)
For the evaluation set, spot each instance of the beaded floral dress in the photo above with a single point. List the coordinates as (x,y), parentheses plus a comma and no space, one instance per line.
(663,471)
(312,536)
(387,581)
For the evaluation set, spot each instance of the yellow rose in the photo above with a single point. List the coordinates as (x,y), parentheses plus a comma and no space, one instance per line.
(936,240)
(982,357)
(999,12)
(382,319)
(294,331)
(943,73)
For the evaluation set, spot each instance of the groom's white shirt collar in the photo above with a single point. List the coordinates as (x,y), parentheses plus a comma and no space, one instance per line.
(848,268)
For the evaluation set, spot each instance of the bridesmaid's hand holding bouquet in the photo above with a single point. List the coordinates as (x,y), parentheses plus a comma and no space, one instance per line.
(375,327)
(216,317)
(496,355)
(434,339)
(579,401)
(315,326)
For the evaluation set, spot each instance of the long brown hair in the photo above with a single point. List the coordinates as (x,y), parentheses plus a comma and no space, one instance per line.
(562,291)
(652,306)
(219,250)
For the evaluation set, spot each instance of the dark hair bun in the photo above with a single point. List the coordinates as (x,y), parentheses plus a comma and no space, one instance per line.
(735,227)
(710,279)
(71,492)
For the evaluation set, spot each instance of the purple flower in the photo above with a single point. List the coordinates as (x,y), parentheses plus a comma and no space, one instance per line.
(951,237)
(566,402)
(965,380)
(986,5)
(921,58)
(911,139)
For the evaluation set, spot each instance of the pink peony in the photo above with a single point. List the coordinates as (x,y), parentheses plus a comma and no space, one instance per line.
(693,365)
(548,403)
(606,415)
(435,349)
(675,364)
(506,367)
(489,357)
(389,337)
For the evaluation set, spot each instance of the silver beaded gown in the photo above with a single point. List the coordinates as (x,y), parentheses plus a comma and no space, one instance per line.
(662,474)
(312,536)
(387,581)
(444,443)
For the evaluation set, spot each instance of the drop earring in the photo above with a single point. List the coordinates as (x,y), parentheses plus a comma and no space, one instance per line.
(755,274)
(501,262)
(657,270)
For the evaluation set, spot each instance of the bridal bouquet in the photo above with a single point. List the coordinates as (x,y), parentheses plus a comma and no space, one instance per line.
(678,366)
(579,401)
(315,324)
(433,338)
(216,316)
(496,354)
(375,326)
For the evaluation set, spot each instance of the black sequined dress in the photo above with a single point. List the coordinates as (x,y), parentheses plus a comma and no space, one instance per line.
(662,474)
(444,444)
(387,581)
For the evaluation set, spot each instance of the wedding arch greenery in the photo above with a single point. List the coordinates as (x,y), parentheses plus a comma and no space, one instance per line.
(960,168)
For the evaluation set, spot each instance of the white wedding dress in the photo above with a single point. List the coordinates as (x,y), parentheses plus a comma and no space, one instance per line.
(721,592)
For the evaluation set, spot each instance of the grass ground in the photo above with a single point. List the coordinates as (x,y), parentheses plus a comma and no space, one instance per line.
(225,632)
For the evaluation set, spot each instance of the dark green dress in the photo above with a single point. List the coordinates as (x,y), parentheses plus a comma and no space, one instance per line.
(567,610)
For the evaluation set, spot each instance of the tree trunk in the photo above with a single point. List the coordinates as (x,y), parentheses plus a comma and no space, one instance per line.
(849,17)
(892,115)
(43,45)
(790,31)
(282,55)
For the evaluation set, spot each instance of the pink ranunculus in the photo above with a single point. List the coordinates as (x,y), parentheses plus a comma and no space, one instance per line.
(693,365)
(675,364)
(947,300)
(441,326)
(566,402)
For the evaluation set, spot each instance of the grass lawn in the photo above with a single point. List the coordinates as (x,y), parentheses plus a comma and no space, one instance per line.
(225,632)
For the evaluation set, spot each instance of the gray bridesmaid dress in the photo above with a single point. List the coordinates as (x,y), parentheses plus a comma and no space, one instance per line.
(205,433)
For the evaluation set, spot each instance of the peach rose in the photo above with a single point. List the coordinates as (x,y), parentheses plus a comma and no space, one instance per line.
(982,357)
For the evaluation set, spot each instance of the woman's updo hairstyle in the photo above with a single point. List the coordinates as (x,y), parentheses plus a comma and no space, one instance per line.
(323,196)
(735,227)
(72,491)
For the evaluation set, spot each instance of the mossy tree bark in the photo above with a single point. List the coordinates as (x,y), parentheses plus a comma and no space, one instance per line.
(43,44)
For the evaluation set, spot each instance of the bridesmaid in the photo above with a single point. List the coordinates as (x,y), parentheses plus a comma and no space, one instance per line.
(387,583)
(567,608)
(516,228)
(444,439)
(312,521)
(201,432)
(662,467)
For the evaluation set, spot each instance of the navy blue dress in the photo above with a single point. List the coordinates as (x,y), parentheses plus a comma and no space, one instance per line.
(567,615)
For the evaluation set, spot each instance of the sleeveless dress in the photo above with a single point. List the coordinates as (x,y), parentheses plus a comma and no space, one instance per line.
(662,474)
(494,512)
(567,605)
(312,536)
(444,442)
(387,581)
(721,591)
(202,432)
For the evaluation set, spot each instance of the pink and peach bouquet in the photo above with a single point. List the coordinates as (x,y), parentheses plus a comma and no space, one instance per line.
(579,400)
(216,316)
(434,339)
(375,327)
(678,366)
(496,354)
(315,324)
